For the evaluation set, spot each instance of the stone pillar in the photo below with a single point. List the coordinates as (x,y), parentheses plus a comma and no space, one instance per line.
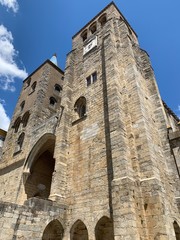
(59,181)
(121,172)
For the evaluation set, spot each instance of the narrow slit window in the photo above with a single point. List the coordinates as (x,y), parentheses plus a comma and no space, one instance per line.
(91,79)
(94,77)
(22,105)
(88,79)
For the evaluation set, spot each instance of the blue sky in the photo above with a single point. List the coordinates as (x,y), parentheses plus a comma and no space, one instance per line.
(32,31)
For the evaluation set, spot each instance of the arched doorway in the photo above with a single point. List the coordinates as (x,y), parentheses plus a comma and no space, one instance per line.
(79,231)
(177,230)
(104,229)
(40,166)
(53,231)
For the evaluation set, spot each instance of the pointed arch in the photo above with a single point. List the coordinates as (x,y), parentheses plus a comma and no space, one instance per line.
(22,105)
(176,230)
(39,168)
(104,229)
(79,231)
(33,86)
(27,83)
(80,107)
(17,124)
(53,231)
(25,118)
(43,141)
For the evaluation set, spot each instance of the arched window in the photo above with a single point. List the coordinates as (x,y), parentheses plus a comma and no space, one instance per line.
(20,142)
(103,20)
(57,88)
(27,83)
(93,28)
(80,107)
(33,87)
(25,118)
(79,231)
(22,105)
(84,35)
(52,101)
(17,124)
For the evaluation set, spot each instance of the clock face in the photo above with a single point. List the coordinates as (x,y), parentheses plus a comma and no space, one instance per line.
(90,45)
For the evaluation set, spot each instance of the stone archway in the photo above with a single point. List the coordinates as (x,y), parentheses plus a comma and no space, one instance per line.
(104,229)
(53,231)
(39,168)
(79,231)
(176,230)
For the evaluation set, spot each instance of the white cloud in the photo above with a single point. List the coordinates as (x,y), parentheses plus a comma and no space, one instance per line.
(8,67)
(4,119)
(10,4)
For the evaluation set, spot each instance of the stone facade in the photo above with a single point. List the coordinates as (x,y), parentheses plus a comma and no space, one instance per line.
(92,152)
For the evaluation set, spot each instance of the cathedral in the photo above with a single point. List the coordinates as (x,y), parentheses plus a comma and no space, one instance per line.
(92,151)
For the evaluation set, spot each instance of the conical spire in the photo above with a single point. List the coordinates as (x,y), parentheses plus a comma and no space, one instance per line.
(54,59)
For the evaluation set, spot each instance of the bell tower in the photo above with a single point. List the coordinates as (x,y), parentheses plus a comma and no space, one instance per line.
(112,140)
(92,152)
(36,114)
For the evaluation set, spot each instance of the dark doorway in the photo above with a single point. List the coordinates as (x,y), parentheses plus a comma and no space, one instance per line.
(53,231)
(38,184)
(104,229)
(79,231)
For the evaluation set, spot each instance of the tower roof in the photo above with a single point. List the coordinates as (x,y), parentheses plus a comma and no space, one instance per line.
(49,62)
(53,59)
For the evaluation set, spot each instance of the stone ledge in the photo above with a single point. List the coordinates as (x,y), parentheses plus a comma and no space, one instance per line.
(174,135)
(43,204)
(79,120)
(32,205)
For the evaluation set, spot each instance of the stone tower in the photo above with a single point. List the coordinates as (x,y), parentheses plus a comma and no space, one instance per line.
(98,159)
(35,115)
